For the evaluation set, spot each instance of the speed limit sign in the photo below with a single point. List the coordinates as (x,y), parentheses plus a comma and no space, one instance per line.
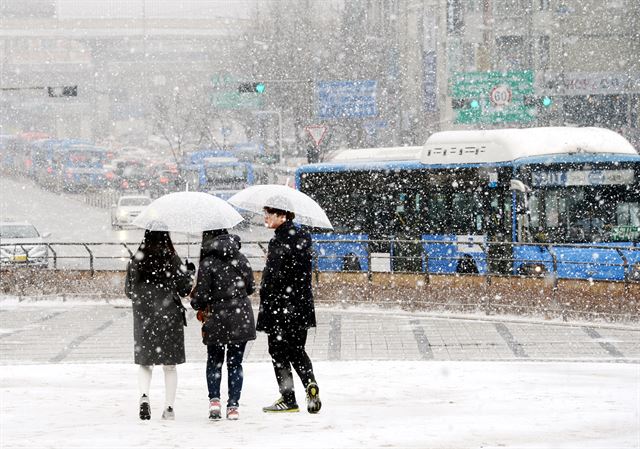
(500,95)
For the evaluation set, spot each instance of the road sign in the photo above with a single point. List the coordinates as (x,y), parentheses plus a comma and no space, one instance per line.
(316,132)
(499,95)
(346,99)
(226,95)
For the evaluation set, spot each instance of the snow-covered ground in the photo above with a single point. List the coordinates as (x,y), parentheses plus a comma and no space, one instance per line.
(366,405)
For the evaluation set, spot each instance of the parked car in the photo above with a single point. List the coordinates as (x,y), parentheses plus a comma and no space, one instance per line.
(127,209)
(22,244)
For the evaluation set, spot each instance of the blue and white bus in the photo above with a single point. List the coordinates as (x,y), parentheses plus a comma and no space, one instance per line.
(512,201)
(220,172)
(79,167)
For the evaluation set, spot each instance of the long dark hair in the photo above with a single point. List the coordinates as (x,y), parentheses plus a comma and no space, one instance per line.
(154,257)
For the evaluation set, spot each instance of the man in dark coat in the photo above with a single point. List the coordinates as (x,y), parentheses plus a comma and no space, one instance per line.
(286,309)
(225,279)
(155,281)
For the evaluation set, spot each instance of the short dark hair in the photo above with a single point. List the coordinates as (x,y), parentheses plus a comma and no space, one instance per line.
(273,210)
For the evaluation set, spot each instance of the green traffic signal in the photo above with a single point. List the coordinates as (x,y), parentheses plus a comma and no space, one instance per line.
(475,104)
(546,102)
(254,88)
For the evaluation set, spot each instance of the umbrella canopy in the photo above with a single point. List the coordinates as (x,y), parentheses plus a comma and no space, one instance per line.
(188,212)
(307,211)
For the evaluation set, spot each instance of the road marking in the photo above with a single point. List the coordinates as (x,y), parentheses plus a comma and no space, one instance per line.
(511,341)
(335,337)
(591,332)
(79,340)
(39,320)
(421,339)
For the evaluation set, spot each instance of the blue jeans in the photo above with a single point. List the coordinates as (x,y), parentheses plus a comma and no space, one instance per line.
(215,360)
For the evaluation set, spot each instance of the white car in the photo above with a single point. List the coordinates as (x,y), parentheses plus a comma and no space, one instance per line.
(127,209)
(22,244)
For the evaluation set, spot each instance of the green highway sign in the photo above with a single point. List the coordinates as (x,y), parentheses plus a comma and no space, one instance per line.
(492,97)
(227,96)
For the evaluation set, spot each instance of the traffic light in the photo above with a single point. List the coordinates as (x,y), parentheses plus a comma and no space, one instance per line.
(63,91)
(533,101)
(465,103)
(253,88)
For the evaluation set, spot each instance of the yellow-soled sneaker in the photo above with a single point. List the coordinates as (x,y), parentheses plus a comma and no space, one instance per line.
(281,406)
(313,398)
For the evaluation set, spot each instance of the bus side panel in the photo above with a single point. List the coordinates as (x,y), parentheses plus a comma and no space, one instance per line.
(451,253)
(343,252)
(526,257)
(440,257)
(589,263)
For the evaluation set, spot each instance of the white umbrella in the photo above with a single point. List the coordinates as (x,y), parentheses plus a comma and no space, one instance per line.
(307,211)
(188,212)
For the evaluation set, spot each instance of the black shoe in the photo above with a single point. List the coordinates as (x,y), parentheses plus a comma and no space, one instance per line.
(281,406)
(313,398)
(145,408)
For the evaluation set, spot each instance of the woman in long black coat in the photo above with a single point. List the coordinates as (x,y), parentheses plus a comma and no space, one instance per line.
(223,286)
(156,279)
(286,309)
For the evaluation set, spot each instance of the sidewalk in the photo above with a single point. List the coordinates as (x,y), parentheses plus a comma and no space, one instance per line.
(72,332)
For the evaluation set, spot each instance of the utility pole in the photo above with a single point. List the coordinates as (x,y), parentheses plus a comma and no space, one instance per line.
(280,150)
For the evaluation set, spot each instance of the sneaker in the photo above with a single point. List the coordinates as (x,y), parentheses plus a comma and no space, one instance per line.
(145,408)
(281,406)
(313,398)
(214,409)
(169,414)
(232,413)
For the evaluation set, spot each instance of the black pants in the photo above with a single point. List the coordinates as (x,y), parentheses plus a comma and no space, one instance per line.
(287,350)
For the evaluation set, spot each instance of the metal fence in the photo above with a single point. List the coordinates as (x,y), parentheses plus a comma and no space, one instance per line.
(400,256)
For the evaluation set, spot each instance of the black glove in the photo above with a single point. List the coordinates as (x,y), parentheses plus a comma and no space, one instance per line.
(190,266)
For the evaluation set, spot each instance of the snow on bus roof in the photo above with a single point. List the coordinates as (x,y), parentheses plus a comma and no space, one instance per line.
(499,145)
(408,153)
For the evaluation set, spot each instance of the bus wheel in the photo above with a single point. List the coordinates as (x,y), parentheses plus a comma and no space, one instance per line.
(467,265)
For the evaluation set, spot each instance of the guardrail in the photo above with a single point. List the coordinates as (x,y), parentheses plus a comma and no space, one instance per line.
(94,256)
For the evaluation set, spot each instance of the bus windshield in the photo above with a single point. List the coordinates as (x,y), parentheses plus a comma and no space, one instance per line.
(227,176)
(585,214)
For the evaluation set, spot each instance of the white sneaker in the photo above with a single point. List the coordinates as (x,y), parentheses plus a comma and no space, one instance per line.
(169,414)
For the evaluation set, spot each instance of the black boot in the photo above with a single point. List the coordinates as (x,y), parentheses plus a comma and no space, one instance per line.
(145,408)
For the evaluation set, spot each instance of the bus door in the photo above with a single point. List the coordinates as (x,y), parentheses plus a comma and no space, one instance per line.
(498,208)
(406,248)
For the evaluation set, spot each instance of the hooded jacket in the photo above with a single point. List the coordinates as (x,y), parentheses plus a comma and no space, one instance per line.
(225,279)
(286,297)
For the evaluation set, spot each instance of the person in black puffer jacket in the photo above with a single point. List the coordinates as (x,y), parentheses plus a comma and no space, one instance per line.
(224,282)
(286,309)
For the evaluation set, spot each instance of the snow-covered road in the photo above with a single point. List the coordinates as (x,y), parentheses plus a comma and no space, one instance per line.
(68,219)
